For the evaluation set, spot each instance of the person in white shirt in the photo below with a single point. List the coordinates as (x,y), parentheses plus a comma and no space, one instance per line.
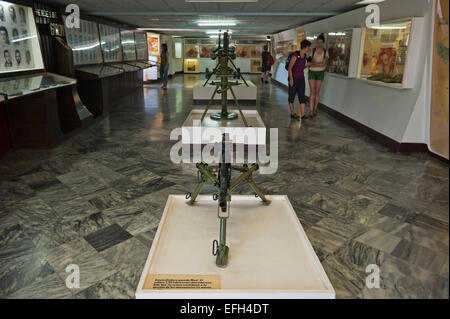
(316,74)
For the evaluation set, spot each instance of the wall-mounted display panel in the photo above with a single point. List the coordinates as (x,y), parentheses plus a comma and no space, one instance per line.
(206,51)
(339,51)
(19,42)
(439,113)
(191,51)
(110,43)
(191,66)
(153,44)
(85,43)
(384,52)
(128,45)
(141,46)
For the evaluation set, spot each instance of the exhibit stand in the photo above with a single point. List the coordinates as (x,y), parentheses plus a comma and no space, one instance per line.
(261,250)
(107,62)
(270,256)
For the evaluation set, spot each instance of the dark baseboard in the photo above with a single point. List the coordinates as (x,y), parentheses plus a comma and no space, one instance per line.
(405,148)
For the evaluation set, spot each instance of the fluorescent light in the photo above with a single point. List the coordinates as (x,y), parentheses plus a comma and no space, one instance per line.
(388,27)
(218,32)
(336,33)
(215,23)
(214,36)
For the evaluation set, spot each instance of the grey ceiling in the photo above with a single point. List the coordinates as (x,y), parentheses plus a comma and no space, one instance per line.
(178,17)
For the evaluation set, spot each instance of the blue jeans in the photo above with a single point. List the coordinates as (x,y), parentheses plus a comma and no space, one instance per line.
(164,75)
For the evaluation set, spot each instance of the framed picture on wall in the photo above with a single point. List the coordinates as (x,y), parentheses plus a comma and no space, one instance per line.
(191,51)
(153,45)
(19,43)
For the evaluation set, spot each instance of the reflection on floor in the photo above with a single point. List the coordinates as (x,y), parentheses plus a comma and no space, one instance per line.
(96,202)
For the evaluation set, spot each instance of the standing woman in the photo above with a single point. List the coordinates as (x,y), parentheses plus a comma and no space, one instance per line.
(296,69)
(164,68)
(266,65)
(317,73)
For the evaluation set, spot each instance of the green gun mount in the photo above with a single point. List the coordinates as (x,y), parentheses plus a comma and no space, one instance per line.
(225,56)
(220,177)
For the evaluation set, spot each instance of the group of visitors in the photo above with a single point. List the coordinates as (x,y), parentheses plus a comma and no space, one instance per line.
(317,63)
(297,64)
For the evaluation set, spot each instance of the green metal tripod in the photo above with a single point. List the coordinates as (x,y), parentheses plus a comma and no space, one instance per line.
(224,55)
(220,177)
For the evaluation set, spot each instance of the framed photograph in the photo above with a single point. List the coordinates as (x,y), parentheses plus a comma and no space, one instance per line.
(153,45)
(19,41)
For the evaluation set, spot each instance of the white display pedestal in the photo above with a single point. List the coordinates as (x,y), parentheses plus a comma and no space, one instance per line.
(270,255)
(243,93)
(195,133)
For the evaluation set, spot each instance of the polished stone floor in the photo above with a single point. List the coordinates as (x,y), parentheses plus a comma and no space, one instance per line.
(96,202)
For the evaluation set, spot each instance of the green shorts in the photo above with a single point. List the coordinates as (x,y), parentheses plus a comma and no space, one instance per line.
(316,75)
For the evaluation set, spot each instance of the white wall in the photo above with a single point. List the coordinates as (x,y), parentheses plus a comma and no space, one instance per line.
(400,114)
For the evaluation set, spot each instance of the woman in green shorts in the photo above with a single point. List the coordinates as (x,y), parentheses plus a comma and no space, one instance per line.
(317,74)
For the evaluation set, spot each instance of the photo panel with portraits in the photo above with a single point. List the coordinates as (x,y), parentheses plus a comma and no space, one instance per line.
(85,43)
(19,42)
(110,43)
(128,45)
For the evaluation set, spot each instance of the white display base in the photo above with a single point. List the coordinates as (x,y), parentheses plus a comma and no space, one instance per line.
(195,133)
(242,92)
(270,255)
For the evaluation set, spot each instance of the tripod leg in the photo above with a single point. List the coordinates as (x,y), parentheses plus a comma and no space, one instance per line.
(209,104)
(239,107)
(258,192)
(196,192)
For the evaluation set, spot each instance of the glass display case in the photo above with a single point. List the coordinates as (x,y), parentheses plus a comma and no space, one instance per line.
(85,43)
(25,85)
(141,46)
(384,52)
(339,50)
(128,45)
(97,71)
(20,48)
(110,43)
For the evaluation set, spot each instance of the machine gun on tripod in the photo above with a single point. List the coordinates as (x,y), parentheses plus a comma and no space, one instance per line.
(220,177)
(224,55)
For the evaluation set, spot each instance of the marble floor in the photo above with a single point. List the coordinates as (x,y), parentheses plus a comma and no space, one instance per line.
(96,201)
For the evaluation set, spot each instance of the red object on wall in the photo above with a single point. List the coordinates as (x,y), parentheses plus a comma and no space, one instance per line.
(4,132)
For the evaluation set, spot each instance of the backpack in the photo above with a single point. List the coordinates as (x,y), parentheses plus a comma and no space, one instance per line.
(270,60)
(288,61)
